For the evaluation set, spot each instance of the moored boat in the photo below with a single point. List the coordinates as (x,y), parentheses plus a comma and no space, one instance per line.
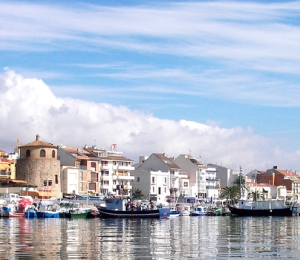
(74,210)
(199,211)
(116,208)
(174,213)
(263,208)
(48,211)
(16,209)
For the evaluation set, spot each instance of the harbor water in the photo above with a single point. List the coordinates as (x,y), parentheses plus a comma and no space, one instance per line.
(206,237)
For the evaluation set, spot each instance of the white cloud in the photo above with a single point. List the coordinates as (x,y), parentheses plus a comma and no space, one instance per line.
(235,42)
(28,107)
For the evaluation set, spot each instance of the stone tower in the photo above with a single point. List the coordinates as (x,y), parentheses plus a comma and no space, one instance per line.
(38,165)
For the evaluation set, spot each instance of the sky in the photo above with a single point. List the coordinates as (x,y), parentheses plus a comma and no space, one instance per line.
(215,79)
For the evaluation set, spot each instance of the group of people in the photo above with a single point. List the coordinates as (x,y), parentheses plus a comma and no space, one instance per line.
(138,206)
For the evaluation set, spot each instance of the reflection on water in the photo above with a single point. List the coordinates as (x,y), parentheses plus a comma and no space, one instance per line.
(177,238)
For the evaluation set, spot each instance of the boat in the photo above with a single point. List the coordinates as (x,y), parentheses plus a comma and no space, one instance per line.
(122,208)
(174,213)
(77,213)
(48,211)
(74,210)
(184,212)
(16,209)
(263,208)
(199,211)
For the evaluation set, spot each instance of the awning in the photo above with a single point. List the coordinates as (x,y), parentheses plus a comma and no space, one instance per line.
(29,193)
(4,166)
(17,181)
(45,194)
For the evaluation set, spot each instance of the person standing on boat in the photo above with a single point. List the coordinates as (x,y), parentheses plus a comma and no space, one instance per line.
(151,205)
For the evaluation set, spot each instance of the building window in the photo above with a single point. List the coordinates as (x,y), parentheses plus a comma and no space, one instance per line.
(104,163)
(42,153)
(53,154)
(56,179)
(153,189)
(185,184)
(165,180)
(153,179)
(159,190)
(47,183)
(138,179)
(27,153)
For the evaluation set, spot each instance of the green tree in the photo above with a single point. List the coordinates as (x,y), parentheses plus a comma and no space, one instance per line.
(240,183)
(255,195)
(137,194)
(230,194)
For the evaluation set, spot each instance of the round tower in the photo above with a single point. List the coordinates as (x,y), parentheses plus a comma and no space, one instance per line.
(38,165)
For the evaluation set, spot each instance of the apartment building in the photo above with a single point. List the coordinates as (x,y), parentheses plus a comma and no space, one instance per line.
(158,177)
(202,178)
(114,171)
(280,177)
(224,175)
(95,170)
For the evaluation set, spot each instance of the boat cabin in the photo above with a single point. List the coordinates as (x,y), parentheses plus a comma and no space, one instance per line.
(261,204)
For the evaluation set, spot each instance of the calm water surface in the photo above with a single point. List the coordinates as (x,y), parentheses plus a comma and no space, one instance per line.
(176,238)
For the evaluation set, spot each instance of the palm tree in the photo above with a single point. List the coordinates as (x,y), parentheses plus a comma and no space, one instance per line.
(230,193)
(255,195)
(240,183)
(137,194)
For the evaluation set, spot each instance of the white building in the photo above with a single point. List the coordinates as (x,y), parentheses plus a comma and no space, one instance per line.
(158,177)
(202,178)
(95,170)
(226,176)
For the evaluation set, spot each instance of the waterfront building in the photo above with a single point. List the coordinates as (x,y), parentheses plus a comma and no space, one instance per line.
(202,178)
(265,191)
(158,177)
(76,171)
(39,166)
(280,177)
(95,171)
(115,171)
(226,176)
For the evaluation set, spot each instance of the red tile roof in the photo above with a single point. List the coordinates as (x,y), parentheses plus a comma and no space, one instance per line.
(287,173)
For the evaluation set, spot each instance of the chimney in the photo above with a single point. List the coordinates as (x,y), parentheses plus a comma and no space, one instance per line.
(38,137)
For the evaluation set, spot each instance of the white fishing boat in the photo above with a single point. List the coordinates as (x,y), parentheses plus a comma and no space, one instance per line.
(199,211)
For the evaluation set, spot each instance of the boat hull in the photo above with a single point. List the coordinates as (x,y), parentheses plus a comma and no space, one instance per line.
(159,213)
(30,214)
(76,214)
(196,213)
(42,214)
(10,212)
(263,212)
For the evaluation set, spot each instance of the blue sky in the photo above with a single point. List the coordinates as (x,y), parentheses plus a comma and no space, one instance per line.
(229,66)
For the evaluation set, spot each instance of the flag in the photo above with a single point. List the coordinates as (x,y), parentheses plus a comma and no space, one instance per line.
(113,146)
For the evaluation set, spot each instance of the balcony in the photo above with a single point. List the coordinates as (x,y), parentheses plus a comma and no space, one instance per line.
(123,167)
(128,187)
(105,167)
(125,177)
(104,177)
(182,176)
(208,187)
